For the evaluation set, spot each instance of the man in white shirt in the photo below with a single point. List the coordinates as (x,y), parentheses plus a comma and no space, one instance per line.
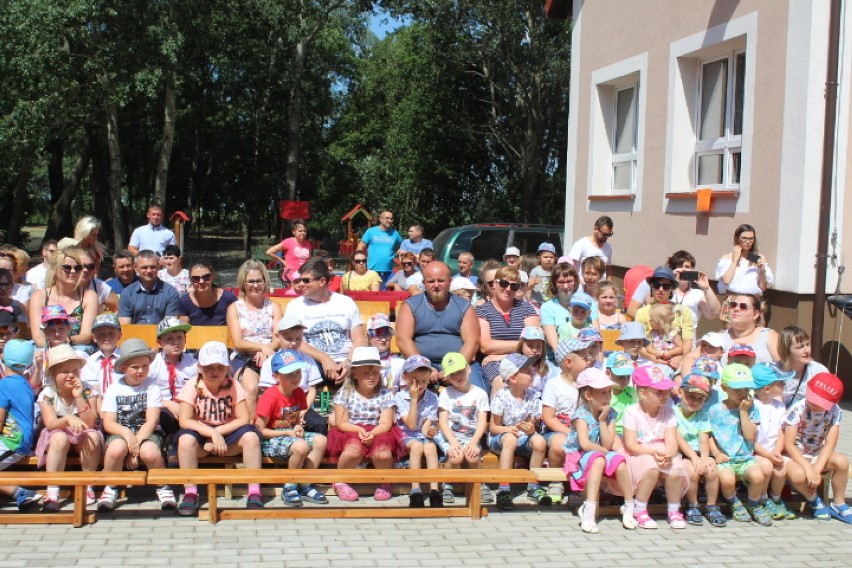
(594,245)
(153,236)
(35,275)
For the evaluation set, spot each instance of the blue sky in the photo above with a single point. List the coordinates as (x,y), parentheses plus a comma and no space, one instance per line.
(381,24)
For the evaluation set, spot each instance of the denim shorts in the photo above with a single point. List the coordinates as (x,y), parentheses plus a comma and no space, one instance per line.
(444,445)
(524,450)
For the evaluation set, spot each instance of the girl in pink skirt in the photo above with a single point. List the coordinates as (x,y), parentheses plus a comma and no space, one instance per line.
(364,418)
(650,439)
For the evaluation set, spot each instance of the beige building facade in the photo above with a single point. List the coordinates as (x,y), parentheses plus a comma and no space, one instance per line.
(674,101)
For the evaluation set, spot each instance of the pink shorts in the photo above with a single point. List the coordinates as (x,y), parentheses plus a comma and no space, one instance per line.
(390,440)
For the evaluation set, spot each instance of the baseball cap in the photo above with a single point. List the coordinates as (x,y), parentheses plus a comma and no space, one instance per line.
(532,333)
(568,346)
(416,362)
(590,334)
(366,357)
(632,330)
(594,378)
(652,376)
(620,363)
(106,320)
(512,251)
(453,363)
(564,260)
(713,338)
(170,324)
(289,321)
(737,376)
(824,390)
(378,321)
(706,367)
(512,364)
(213,353)
(53,312)
(461,283)
(132,348)
(286,362)
(764,374)
(582,300)
(546,247)
(741,350)
(18,354)
(693,382)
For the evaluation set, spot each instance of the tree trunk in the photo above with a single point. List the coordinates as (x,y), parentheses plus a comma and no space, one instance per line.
(59,224)
(294,120)
(167,142)
(19,201)
(246,236)
(116,208)
(55,175)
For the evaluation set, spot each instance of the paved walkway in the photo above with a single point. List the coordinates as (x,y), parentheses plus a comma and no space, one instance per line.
(520,538)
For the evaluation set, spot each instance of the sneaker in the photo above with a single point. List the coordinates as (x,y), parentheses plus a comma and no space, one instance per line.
(435,499)
(739,512)
(759,514)
(447,493)
(255,501)
(91,499)
(782,508)
(311,494)
(555,492)
(166,497)
(504,500)
(50,506)
(485,495)
(538,495)
(26,499)
(772,510)
(189,505)
(416,500)
(107,500)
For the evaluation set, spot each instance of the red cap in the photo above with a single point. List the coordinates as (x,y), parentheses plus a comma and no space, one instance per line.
(824,390)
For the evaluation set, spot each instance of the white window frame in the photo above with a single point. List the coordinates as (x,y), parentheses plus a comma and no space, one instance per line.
(630,158)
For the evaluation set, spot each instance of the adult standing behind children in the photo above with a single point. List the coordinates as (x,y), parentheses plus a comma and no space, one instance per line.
(594,245)
(381,243)
(295,251)
(415,241)
(744,270)
(153,236)
(149,299)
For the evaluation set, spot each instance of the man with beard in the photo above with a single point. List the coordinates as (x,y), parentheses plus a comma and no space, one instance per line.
(436,323)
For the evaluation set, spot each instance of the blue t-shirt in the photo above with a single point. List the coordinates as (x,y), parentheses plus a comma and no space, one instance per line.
(690,428)
(572,442)
(729,434)
(381,248)
(17,397)
(415,248)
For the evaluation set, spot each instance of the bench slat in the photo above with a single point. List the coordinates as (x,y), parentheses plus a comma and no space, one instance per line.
(341,513)
(76,478)
(277,476)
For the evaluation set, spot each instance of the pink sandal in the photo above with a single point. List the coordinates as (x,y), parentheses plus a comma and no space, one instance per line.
(383,492)
(644,520)
(676,520)
(345,492)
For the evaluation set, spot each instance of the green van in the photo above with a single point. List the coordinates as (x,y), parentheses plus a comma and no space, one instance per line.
(490,240)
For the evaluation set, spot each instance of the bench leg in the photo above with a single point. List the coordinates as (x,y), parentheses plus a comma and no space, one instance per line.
(79,505)
(474,495)
(212,503)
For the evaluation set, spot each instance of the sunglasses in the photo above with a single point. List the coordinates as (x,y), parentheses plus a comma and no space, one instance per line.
(202,278)
(90,266)
(50,324)
(8,330)
(741,305)
(69,268)
(255,282)
(659,284)
(408,264)
(306,280)
(514,286)
(359,261)
(606,235)
(383,333)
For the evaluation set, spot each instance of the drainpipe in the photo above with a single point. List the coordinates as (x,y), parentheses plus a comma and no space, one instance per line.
(818,319)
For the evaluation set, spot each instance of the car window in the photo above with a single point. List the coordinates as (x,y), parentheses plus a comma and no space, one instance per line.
(528,241)
(489,244)
(462,243)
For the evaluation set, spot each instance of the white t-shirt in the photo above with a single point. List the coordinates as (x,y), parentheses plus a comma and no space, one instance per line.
(745,278)
(584,248)
(180,282)
(35,276)
(692,299)
(130,403)
(463,410)
(310,375)
(771,420)
(186,369)
(22,292)
(415,279)
(561,397)
(328,324)
(102,289)
(513,411)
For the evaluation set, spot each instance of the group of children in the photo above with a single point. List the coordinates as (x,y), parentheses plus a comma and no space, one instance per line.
(617,423)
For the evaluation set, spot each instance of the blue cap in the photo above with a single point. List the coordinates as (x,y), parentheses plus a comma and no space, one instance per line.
(764,374)
(619,363)
(582,300)
(546,247)
(590,334)
(416,362)
(632,330)
(18,354)
(707,367)
(286,362)
(662,273)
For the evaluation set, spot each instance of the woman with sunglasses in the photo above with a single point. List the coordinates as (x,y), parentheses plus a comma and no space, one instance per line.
(744,270)
(252,321)
(62,287)
(409,267)
(486,280)
(107,299)
(502,319)
(359,279)
(663,284)
(204,303)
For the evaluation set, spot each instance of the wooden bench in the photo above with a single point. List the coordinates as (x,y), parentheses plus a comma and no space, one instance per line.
(79,480)
(212,478)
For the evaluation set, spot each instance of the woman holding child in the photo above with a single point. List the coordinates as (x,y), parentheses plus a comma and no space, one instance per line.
(663,283)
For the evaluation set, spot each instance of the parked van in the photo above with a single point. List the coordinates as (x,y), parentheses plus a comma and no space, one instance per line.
(489,240)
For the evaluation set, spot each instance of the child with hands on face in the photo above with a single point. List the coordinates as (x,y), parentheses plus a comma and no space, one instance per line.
(590,451)
(693,438)
(515,413)
(69,420)
(131,418)
(417,418)
(650,439)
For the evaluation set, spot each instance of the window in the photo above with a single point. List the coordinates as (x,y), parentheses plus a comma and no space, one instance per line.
(718,148)
(624,128)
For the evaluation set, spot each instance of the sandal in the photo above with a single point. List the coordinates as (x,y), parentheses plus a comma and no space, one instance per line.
(715,516)
(644,521)
(313,495)
(693,516)
(291,497)
(820,510)
(345,492)
(739,512)
(676,520)
(383,492)
(842,512)
(254,501)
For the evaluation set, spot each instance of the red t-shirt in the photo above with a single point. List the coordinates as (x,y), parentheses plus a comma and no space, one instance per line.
(281,412)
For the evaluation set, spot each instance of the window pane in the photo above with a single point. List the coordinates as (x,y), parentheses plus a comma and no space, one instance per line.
(736,164)
(714,85)
(621,177)
(625,121)
(739,92)
(710,169)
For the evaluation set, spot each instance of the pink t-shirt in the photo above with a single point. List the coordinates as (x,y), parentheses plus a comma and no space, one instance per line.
(212,410)
(295,255)
(649,430)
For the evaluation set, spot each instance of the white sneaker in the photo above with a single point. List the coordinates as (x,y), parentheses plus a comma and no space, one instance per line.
(166,497)
(107,500)
(91,499)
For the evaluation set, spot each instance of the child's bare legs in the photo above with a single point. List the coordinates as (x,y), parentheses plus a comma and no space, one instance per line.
(838,464)
(55,458)
(646,486)
(350,457)
(415,458)
(250,381)
(755,482)
(114,456)
(556,458)
(89,450)
(430,450)
(539,448)
(507,455)
(727,483)
(674,488)
(317,452)
(298,454)
(766,468)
